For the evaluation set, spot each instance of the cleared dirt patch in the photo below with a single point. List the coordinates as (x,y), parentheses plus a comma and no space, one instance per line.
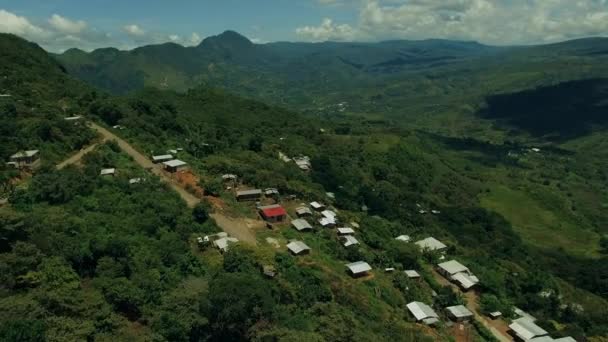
(241,228)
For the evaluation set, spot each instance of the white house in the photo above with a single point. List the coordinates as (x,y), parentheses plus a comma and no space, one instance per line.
(108,172)
(346,231)
(431,244)
(359,268)
(349,240)
(301,225)
(317,206)
(223,243)
(459,313)
(298,247)
(524,329)
(303,211)
(458,273)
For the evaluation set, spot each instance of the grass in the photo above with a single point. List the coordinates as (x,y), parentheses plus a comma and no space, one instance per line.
(537,225)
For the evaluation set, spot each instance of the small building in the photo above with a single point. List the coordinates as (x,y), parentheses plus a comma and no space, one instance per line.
(404,238)
(25,159)
(303,163)
(317,206)
(431,244)
(495,315)
(135,180)
(269,271)
(327,223)
(355,224)
(273,213)
(349,240)
(423,313)
(389,270)
(359,268)
(108,172)
(229,177)
(162,158)
(303,212)
(73,118)
(345,231)
(223,243)
(271,192)
(298,247)
(175,165)
(301,225)
(458,273)
(459,313)
(172,151)
(524,329)
(329,214)
(249,195)
(412,274)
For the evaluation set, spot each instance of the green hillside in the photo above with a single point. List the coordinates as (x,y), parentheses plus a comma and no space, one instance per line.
(434,138)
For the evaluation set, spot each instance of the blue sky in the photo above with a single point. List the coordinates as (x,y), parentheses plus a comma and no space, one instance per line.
(88,24)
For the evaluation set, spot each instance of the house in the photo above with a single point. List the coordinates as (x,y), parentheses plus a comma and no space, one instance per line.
(223,243)
(524,329)
(327,223)
(359,268)
(303,212)
(25,159)
(459,313)
(412,274)
(301,225)
(161,158)
(431,244)
(175,165)
(329,214)
(345,231)
(404,238)
(458,273)
(273,213)
(350,240)
(317,206)
(271,192)
(423,313)
(303,163)
(269,271)
(108,172)
(249,195)
(495,314)
(298,247)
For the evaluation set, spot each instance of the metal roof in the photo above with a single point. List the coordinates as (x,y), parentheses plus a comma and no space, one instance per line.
(222,243)
(24,154)
(327,221)
(105,172)
(329,214)
(303,211)
(301,224)
(453,267)
(162,157)
(350,240)
(459,311)
(525,329)
(273,211)
(175,163)
(316,205)
(465,280)
(297,247)
(431,244)
(404,238)
(359,267)
(249,192)
(412,274)
(421,311)
(346,230)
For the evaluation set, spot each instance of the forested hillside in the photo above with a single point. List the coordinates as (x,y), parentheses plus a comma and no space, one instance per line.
(85,257)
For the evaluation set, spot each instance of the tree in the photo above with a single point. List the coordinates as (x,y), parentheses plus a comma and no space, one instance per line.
(255,144)
(200,213)
(22,331)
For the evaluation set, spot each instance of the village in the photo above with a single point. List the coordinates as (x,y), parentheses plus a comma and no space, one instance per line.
(276,213)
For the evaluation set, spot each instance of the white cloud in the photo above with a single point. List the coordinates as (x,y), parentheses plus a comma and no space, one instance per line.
(134,30)
(12,23)
(488,21)
(65,25)
(327,30)
(195,39)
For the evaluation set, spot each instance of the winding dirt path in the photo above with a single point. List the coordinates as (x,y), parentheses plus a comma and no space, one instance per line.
(235,227)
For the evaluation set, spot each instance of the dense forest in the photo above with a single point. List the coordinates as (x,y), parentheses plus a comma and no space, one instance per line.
(84,257)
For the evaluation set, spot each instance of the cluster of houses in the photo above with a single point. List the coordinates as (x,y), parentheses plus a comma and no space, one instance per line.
(25,160)
(169,162)
(425,314)
(524,328)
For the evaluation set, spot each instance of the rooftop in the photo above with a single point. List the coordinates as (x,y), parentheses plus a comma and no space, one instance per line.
(526,329)
(273,211)
(249,192)
(162,157)
(412,274)
(297,247)
(346,231)
(453,267)
(301,224)
(316,205)
(327,222)
(459,311)
(350,240)
(422,311)
(24,154)
(329,214)
(431,244)
(105,172)
(404,238)
(359,267)
(223,242)
(175,163)
(465,280)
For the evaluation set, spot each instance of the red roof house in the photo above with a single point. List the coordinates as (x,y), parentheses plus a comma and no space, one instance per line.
(273,213)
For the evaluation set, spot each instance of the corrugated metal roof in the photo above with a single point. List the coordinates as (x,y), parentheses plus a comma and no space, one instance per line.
(346,230)
(412,274)
(421,311)
(297,247)
(525,329)
(273,212)
(301,224)
(175,163)
(431,244)
(404,238)
(465,280)
(249,192)
(459,311)
(359,267)
(350,240)
(453,267)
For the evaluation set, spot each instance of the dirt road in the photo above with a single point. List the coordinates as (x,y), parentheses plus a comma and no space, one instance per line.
(240,229)
(77,157)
